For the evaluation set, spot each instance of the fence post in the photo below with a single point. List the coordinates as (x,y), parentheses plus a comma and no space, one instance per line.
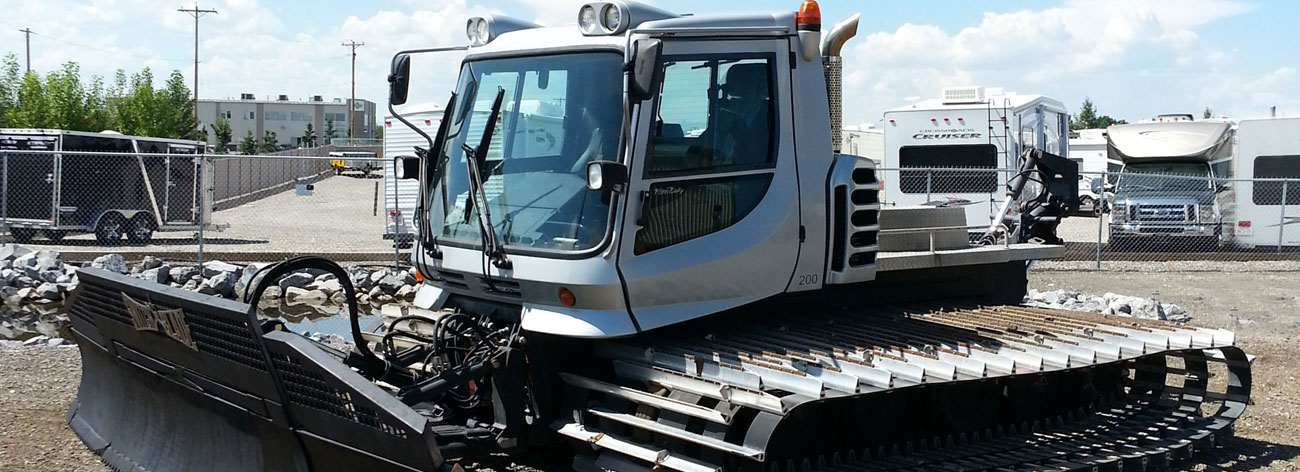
(1100,203)
(1281,219)
(4,196)
(929,175)
(203,204)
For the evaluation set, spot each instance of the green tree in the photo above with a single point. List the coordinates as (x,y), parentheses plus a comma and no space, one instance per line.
(379,132)
(248,146)
(1208,113)
(330,132)
(10,82)
(65,99)
(176,108)
(309,136)
(269,143)
(30,109)
(221,130)
(1088,118)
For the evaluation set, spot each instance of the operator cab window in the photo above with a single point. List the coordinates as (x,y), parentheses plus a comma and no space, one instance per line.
(715,118)
(714,115)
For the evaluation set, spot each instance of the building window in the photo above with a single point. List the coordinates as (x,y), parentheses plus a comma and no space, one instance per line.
(274,116)
(226,114)
(336,117)
(300,116)
(250,115)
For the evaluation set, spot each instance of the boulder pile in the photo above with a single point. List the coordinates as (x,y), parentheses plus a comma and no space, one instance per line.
(1107,304)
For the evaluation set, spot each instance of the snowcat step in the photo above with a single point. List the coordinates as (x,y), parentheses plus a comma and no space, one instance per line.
(990,388)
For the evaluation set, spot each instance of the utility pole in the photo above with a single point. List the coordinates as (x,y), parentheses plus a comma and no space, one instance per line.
(28,32)
(352,104)
(196,13)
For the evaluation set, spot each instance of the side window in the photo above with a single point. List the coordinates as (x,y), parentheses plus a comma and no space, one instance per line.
(715,116)
(1276,167)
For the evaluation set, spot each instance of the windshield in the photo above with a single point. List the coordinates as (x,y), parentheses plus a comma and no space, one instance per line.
(558,113)
(1165,177)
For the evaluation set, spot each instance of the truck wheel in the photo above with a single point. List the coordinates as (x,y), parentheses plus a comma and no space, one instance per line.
(55,234)
(23,235)
(139,231)
(110,228)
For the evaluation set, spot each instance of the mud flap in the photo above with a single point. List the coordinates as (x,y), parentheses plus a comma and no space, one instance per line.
(177,381)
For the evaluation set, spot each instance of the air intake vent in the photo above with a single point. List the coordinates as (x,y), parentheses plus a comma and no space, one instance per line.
(957,95)
(855,220)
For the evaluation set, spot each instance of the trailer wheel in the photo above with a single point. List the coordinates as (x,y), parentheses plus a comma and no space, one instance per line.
(55,235)
(23,235)
(110,228)
(139,231)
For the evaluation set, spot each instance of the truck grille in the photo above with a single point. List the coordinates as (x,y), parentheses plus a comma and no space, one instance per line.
(1165,213)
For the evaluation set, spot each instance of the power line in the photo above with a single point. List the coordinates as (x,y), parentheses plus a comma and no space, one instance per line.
(352,104)
(28,33)
(196,13)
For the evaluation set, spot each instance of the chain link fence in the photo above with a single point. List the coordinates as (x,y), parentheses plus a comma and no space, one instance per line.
(1178,214)
(189,206)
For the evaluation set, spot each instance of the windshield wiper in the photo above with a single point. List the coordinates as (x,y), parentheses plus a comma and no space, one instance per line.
(492,248)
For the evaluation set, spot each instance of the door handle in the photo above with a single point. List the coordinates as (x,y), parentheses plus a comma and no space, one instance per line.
(641,212)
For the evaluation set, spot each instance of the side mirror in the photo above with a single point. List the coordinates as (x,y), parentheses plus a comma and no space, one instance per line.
(606,176)
(1098,186)
(406,167)
(399,79)
(643,69)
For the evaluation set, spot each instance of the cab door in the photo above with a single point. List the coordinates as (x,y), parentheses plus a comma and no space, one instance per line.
(713,207)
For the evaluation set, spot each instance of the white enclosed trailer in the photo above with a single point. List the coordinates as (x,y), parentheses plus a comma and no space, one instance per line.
(1088,150)
(958,150)
(402,196)
(865,140)
(1268,207)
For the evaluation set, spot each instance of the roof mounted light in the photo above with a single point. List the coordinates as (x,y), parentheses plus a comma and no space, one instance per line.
(615,17)
(482,30)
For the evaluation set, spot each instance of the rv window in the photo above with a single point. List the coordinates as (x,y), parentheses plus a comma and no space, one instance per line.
(714,115)
(950,169)
(1276,167)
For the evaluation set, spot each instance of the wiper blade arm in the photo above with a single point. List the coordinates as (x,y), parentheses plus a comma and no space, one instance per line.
(474,157)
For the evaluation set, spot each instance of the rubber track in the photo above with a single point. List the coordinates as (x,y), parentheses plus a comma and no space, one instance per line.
(788,359)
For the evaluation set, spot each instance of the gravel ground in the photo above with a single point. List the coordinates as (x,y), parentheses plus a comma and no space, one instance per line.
(1263,308)
(339,217)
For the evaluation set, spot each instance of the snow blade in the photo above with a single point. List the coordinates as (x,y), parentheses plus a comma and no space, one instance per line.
(177,381)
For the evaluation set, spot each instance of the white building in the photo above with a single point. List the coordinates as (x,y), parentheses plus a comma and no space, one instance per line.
(287,118)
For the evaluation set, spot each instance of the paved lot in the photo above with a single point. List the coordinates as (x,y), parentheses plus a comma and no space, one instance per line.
(1262,307)
(341,216)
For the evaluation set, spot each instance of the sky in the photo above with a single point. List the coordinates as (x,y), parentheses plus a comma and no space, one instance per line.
(1133,58)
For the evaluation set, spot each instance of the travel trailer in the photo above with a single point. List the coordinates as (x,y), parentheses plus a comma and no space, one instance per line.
(401,196)
(1169,188)
(864,140)
(1268,207)
(960,149)
(1088,150)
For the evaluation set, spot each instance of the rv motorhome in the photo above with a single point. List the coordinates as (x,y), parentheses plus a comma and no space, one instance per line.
(1268,208)
(401,196)
(1169,187)
(1088,150)
(959,150)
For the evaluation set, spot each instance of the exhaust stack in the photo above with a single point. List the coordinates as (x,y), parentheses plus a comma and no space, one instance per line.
(833,66)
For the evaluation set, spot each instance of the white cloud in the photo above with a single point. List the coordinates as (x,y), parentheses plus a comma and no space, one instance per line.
(1097,48)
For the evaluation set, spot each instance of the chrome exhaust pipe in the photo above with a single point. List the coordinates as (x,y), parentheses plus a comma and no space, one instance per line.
(833,67)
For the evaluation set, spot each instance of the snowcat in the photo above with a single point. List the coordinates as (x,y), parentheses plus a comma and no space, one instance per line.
(639,244)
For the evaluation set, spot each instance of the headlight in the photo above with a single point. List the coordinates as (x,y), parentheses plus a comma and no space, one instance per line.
(611,18)
(587,19)
(482,30)
(1206,213)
